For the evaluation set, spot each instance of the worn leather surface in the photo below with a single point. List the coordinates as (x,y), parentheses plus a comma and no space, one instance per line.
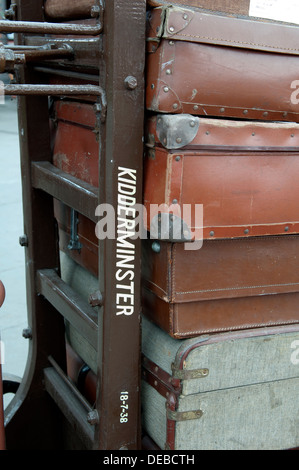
(212,65)
(76,152)
(243,173)
(227,284)
(75,143)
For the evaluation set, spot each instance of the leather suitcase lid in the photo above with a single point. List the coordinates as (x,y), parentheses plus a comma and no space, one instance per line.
(222,269)
(213,65)
(242,173)
(186,24)
(186,131)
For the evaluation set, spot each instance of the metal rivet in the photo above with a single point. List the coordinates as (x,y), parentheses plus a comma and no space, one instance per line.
(97,108)
(171,29)
(175,201)
(23,240)
(166,89)
(27,333)
(286,229)
(222,110)
(95,11)
(285,114)
(179,140)
(265,114)
(212,233)
(208,132)
(246,231)
(96,299)
(156,246)
(175,106)
(245,111)
(171,43)
(195,107)
(177,158)
(155,383)
(93,417)
(192,124)
(185,16)
(253,134)
(152,86)
(131,82)
(292,135)
(168,72)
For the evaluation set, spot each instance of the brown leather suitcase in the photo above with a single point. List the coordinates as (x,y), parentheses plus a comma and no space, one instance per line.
(75,139)
(243,173)
(225,285)
(75,151)
(220,65)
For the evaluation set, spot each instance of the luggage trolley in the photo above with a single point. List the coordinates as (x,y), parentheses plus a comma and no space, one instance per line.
(79,51)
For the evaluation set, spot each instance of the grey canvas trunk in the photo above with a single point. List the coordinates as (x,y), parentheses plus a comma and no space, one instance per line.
(232,391)
(229,391)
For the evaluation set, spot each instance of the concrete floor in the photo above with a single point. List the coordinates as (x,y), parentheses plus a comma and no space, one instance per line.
(13,313)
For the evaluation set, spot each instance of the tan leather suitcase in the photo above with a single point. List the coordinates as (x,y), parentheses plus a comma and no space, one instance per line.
(243,173)
(226,285)
(219,65)
(75,148)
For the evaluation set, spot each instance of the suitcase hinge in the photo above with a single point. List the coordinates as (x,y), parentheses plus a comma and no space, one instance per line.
(189,374)
(183,415)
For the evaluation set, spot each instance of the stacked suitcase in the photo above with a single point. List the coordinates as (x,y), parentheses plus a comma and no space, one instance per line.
(220,299)
(220,327)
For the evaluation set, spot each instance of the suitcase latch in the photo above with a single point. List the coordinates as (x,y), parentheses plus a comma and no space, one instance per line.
(182,374)
(183,415)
